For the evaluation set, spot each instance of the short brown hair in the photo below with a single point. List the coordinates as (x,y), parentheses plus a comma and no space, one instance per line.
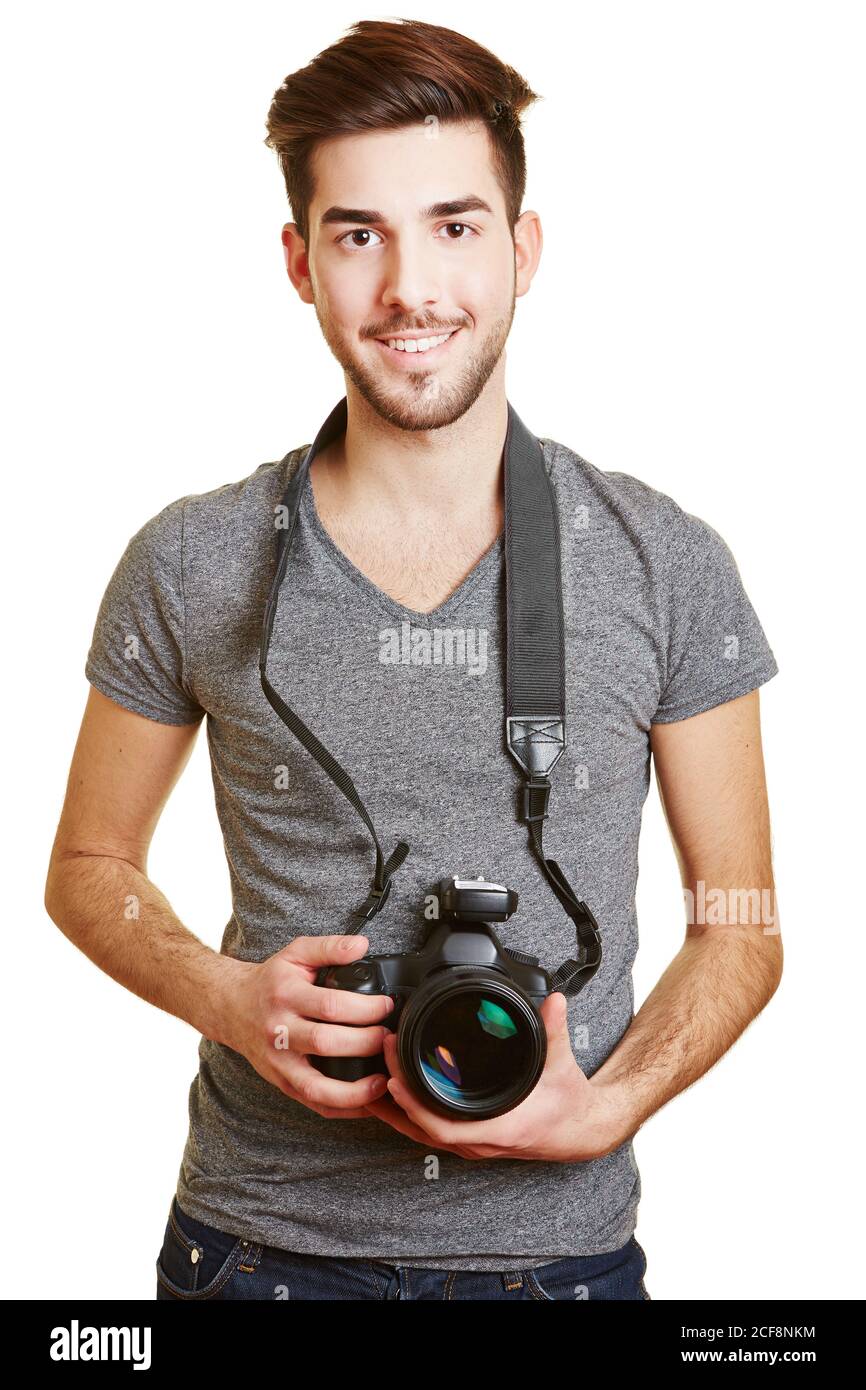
(388,74)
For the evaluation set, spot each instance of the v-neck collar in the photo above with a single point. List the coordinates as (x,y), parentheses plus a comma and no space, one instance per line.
(331,429)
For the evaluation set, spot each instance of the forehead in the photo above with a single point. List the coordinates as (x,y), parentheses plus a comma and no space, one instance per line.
(400,171)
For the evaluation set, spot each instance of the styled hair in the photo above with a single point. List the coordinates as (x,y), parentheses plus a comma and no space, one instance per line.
(384,75)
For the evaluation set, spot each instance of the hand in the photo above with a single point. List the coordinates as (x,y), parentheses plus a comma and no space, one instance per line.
(564,1119)
(275,1016)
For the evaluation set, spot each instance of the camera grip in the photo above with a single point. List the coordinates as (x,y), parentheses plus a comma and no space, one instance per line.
(349,1068)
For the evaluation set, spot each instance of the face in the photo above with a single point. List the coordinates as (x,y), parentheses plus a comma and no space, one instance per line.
(408,234)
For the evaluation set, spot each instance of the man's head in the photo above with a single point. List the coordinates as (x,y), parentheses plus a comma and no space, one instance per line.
(405,170)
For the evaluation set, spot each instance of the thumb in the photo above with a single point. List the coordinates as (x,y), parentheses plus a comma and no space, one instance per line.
(311,953)
(554,1011)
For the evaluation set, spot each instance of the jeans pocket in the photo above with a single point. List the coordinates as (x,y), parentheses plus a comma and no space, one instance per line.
(196,1261)
(618,1274)
(642,1286)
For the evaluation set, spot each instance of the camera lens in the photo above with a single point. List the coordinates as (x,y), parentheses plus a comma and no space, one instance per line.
(475,1044)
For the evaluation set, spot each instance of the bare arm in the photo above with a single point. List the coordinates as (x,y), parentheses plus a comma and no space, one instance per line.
(97,891)
(710,772)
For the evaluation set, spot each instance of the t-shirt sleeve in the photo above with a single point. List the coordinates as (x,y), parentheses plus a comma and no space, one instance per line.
(717,649)
(137,656)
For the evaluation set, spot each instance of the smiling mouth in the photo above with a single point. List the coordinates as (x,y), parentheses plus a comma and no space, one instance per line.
(413,348)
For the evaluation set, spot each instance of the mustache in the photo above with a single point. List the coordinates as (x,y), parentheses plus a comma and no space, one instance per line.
(432,328)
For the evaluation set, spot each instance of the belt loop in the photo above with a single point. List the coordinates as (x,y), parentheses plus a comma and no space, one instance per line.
(512,1280)
(251,1254)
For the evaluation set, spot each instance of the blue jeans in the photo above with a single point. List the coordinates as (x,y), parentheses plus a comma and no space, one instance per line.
(198,1261)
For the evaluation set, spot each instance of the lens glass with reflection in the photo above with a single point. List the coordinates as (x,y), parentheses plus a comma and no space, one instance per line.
(473,1045)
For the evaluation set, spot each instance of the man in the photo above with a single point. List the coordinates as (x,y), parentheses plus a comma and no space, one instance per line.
(404,165)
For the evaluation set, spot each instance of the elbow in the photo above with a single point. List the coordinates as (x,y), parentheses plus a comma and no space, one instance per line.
(775,964)
(52,897)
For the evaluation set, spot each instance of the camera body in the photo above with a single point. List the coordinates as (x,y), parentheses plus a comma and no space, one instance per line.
(470,1038)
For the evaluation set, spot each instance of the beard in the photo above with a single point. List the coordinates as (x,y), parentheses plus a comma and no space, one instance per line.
(422,399)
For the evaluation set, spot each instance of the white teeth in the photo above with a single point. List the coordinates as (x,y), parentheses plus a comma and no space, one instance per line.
(418,344)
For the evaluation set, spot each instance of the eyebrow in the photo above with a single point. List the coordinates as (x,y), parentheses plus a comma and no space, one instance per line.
(450,208)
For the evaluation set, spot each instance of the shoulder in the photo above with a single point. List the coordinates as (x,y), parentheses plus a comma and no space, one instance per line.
(213,525)
(625,506)
(236,503)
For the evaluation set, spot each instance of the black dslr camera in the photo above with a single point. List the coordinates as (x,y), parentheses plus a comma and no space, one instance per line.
(470,1038)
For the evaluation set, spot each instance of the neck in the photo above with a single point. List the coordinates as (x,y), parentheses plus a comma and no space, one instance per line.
(416,476)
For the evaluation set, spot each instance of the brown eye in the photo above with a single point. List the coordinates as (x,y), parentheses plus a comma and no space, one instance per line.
(356,232)
(462,227)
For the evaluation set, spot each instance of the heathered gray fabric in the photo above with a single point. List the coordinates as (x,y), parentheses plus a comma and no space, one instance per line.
(658,628)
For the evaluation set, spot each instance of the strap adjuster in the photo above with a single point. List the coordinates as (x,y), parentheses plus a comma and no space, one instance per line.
(539,788)
(376,899)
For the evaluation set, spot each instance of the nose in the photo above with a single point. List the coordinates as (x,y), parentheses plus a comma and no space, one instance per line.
(412,279)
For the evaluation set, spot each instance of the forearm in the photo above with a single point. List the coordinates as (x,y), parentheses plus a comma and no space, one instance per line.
(717,983)
(126,926)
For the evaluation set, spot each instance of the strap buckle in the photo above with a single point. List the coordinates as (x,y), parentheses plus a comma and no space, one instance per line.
(542,788)
(376,899)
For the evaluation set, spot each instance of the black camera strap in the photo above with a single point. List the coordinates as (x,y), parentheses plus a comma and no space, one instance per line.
(535,685)
(535,669)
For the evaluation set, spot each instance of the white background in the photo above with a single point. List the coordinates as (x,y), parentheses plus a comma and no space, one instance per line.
(696,320)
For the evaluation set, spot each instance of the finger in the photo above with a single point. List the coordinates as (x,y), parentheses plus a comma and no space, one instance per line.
(310,953)
(311,1087)
(395,1117)
(392,1115)
(305,1035)
(490,1138)
(433,1124)
(429,1120)
(328,1114)
(392,1061)
(336,1005)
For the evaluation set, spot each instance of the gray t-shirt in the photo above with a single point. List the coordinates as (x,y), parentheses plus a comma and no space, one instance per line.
(658,627)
